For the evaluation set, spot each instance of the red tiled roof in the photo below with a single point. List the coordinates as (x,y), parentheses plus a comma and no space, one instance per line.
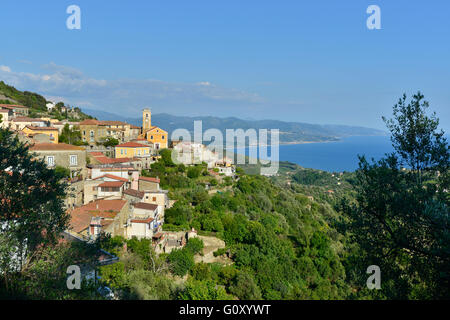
(149,179)
(134,193)
(148,220)
(111,184)
(101,208)
(155,127)
(12,106)
(113,123)
(96,153)
(131,145)
(40,128)
(145,206)
(55,146)
(80,220)
(111,176)
(105,160)
(27,119)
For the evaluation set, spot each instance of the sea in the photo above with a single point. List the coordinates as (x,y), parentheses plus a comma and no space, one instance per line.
(336,156)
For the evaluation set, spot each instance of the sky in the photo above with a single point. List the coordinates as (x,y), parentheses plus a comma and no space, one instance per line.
(304,61)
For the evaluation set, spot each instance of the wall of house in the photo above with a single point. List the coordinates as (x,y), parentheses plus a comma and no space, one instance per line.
(50,133)
(147,185)
(158,137)
(128,152)
(62,158)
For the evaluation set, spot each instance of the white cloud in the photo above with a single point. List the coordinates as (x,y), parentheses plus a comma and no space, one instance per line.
(126,95)
(5,69)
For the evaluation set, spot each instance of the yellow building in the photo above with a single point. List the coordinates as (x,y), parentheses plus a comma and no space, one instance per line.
(132,149)
(30,131)
(155,135)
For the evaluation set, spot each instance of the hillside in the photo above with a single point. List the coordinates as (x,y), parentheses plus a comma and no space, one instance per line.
(290,132)
(37,104)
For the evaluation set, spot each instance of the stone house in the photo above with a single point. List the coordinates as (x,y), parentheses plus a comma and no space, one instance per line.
(64,155)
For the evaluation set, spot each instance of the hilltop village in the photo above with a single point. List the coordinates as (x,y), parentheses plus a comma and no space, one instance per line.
(107,189)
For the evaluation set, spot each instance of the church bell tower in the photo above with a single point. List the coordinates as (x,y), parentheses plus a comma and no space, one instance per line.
(146,120)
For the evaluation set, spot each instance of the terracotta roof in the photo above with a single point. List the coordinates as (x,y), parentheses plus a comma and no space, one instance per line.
(11,106)
(146,206)
(101,208)
(134,193)
(155,127)
(134,127)
(111,176)
(113,123)
(100,157)
(149,179)
(131,145)
(26,119)
(111,184)
(80,220)
(158,235)
(54,146)
(4,110)
(148,220)
(41,128)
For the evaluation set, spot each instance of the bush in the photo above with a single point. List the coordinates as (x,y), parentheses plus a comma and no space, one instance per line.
(181,261)
(195,245)
(194,172)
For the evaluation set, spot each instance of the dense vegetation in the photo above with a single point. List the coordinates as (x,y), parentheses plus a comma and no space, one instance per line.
(304,234)
(33,261)
(29,99)
(400,220)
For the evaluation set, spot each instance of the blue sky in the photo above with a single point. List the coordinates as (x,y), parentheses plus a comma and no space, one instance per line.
(306,61)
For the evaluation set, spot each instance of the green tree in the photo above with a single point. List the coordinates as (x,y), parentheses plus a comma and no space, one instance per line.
(401,219)
(31,208)
(110,142)
(195,245)
(194,172)
(203,290)
(70,136)
(180,261)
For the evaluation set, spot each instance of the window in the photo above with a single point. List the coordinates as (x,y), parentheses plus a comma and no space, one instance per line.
(84,132)
(50,161)
(121,151)
(162,137)
(139,152)
(73,160)
(151,137)
(154,199)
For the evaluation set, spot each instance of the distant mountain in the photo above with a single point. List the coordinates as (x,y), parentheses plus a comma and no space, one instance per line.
(290,132)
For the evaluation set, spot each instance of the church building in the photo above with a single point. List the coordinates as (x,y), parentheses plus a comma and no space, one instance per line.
(154,134)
